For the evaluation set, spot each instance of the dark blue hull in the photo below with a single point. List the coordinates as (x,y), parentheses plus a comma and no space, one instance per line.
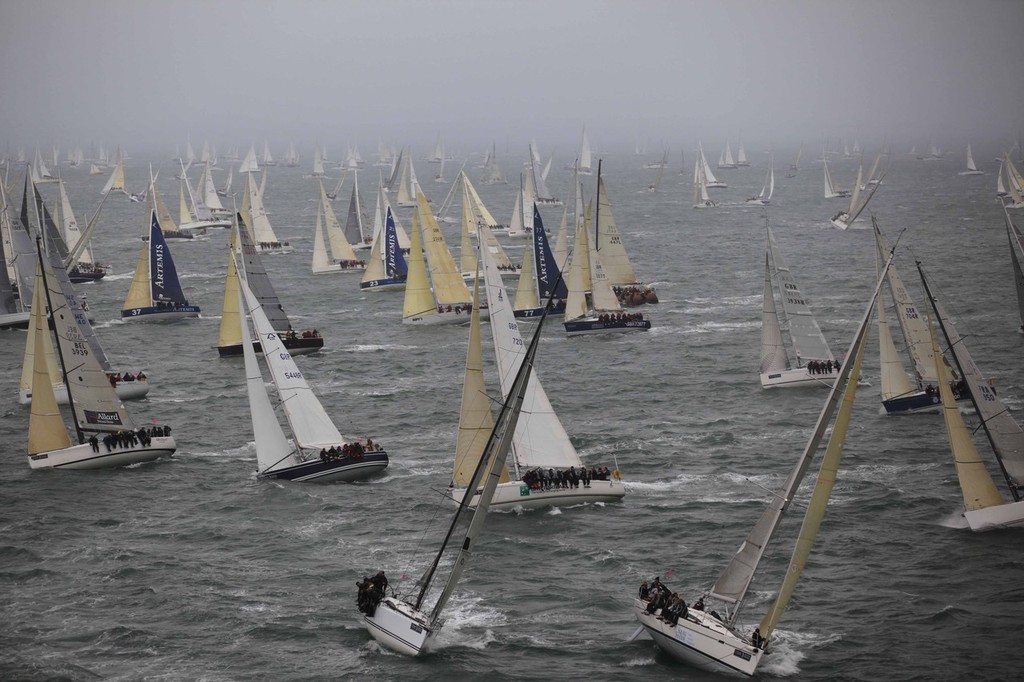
(344,469)
(558,309)
(173,312)
(592,326)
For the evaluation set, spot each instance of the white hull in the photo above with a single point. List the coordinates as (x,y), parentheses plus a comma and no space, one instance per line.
(1001,516)
(84,457)
(14,320)
(518,495)
(203,225)
(702,641)
(971,172)
(799,377)
(437,318)
(336,267)
(131,390)
(717,183)
(840,222)
(706,204)
(399,627)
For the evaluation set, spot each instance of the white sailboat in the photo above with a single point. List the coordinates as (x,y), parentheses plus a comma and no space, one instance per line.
(355,234)
(406,625)
(701,198)
(608,243)
(316,451)
(115,183)
(544,196)
(584,160)
(17,256)
(741,156)
(318,162)
(709,177)
(725,159)
(541,445)
(970,167)
(155,292)
(832,191)
(858,201)
(591,306)
(249,163)
(341,256)
(714,642)
(764,197)
(984,506)
(263,235)
(815,364)
(268,159)
(107,436)
(492,174)
(408,188)
(438,154)
(440,296)
(226,192)
(291,157)
(201,214)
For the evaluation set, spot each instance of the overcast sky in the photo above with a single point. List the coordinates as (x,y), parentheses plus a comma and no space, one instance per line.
(148,73)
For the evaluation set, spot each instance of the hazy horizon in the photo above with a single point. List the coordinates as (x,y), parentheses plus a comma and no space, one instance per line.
(154,74)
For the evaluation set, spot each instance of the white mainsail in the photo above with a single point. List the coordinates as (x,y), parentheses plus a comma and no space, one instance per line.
(808,341)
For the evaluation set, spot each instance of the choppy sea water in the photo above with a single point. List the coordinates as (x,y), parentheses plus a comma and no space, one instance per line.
(193,569)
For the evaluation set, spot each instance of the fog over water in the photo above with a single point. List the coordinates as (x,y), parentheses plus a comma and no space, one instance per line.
(150,74)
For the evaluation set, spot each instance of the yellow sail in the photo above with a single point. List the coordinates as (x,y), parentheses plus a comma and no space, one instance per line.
(341,250)
(527,296)
(895,382)
(230,315)
(475,418)
(163,214)
(819,498)
(375,265)
(419,300)
(976,484)
(28,366)
(467,254)
(46,430)
(139,294)
(185,215)
(449,287)
(118,176)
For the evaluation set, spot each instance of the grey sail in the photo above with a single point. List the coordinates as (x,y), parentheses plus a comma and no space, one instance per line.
(259,282)
(808,341)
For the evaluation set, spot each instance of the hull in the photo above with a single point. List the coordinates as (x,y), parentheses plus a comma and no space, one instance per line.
(300,345)
(14,320)
(82,277)
(581,327)
(84,457)
(157,314)
(701,640)
(346,470)
(717,183)
(400,627)
(1000,516)
(841,222)
(526,313)
(338,267)
(202,225)
(387,284)
(438,318)
(799,377)
(518,495)
(126,390)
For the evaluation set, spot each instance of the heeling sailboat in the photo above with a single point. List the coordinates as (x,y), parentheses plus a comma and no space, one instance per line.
(13,282)
(255,274)
(900,395)
(544,197)
(441,296)
(155,292)
(984,506)
(84,268)
(405,625)
(1013,184)
(342,257)
(263,235)
(1016,258)
(858,201)
(541,443)
(709,176)
(540,278)
(715,643)
(614,260)
(701,198)
(764,197)
(97,412)
(970,168)
(317,451)
(815,365)
(591,306)
(832,191)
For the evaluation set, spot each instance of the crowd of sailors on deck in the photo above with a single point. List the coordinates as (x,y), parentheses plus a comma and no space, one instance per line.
(462,307)
(621,317)
(354,450)
(129,438)
(550,479)
(349,264)
(272,245)
(371,591)
(306,333)
(119,377)
(509,268)
(822,367)
(162,304)
(636,295)
(959,389)
(672,607)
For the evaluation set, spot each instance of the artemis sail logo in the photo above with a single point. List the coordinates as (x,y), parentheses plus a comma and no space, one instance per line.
(158,265)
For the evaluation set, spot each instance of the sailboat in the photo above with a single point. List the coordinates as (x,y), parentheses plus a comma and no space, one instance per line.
(249,163)
(491,174)
(544,196)
(342,257)
(1014,184)
(795,166)
(197,216)
(441,296)
(1016,258)
(713,642)
(815,365)
(386,269)
(84,268)
(318,162)
(438,155)
(155,292)
(858,201)
(291,157)
(725,159)
(701,198)
(227,185)
(591,306)
(584,160)
(653,187)
(984,506)
(316,451)
(741,156)
(268,159)
(229,342)
(354,232)
(541,444)
(900,394)
(263,236)
(618,269)
(115,183)
(970,168)
(540,278)
(832,190)
(15,282)
(408,187)
(406,625)
(709,177)
(107,436)
(764,197)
